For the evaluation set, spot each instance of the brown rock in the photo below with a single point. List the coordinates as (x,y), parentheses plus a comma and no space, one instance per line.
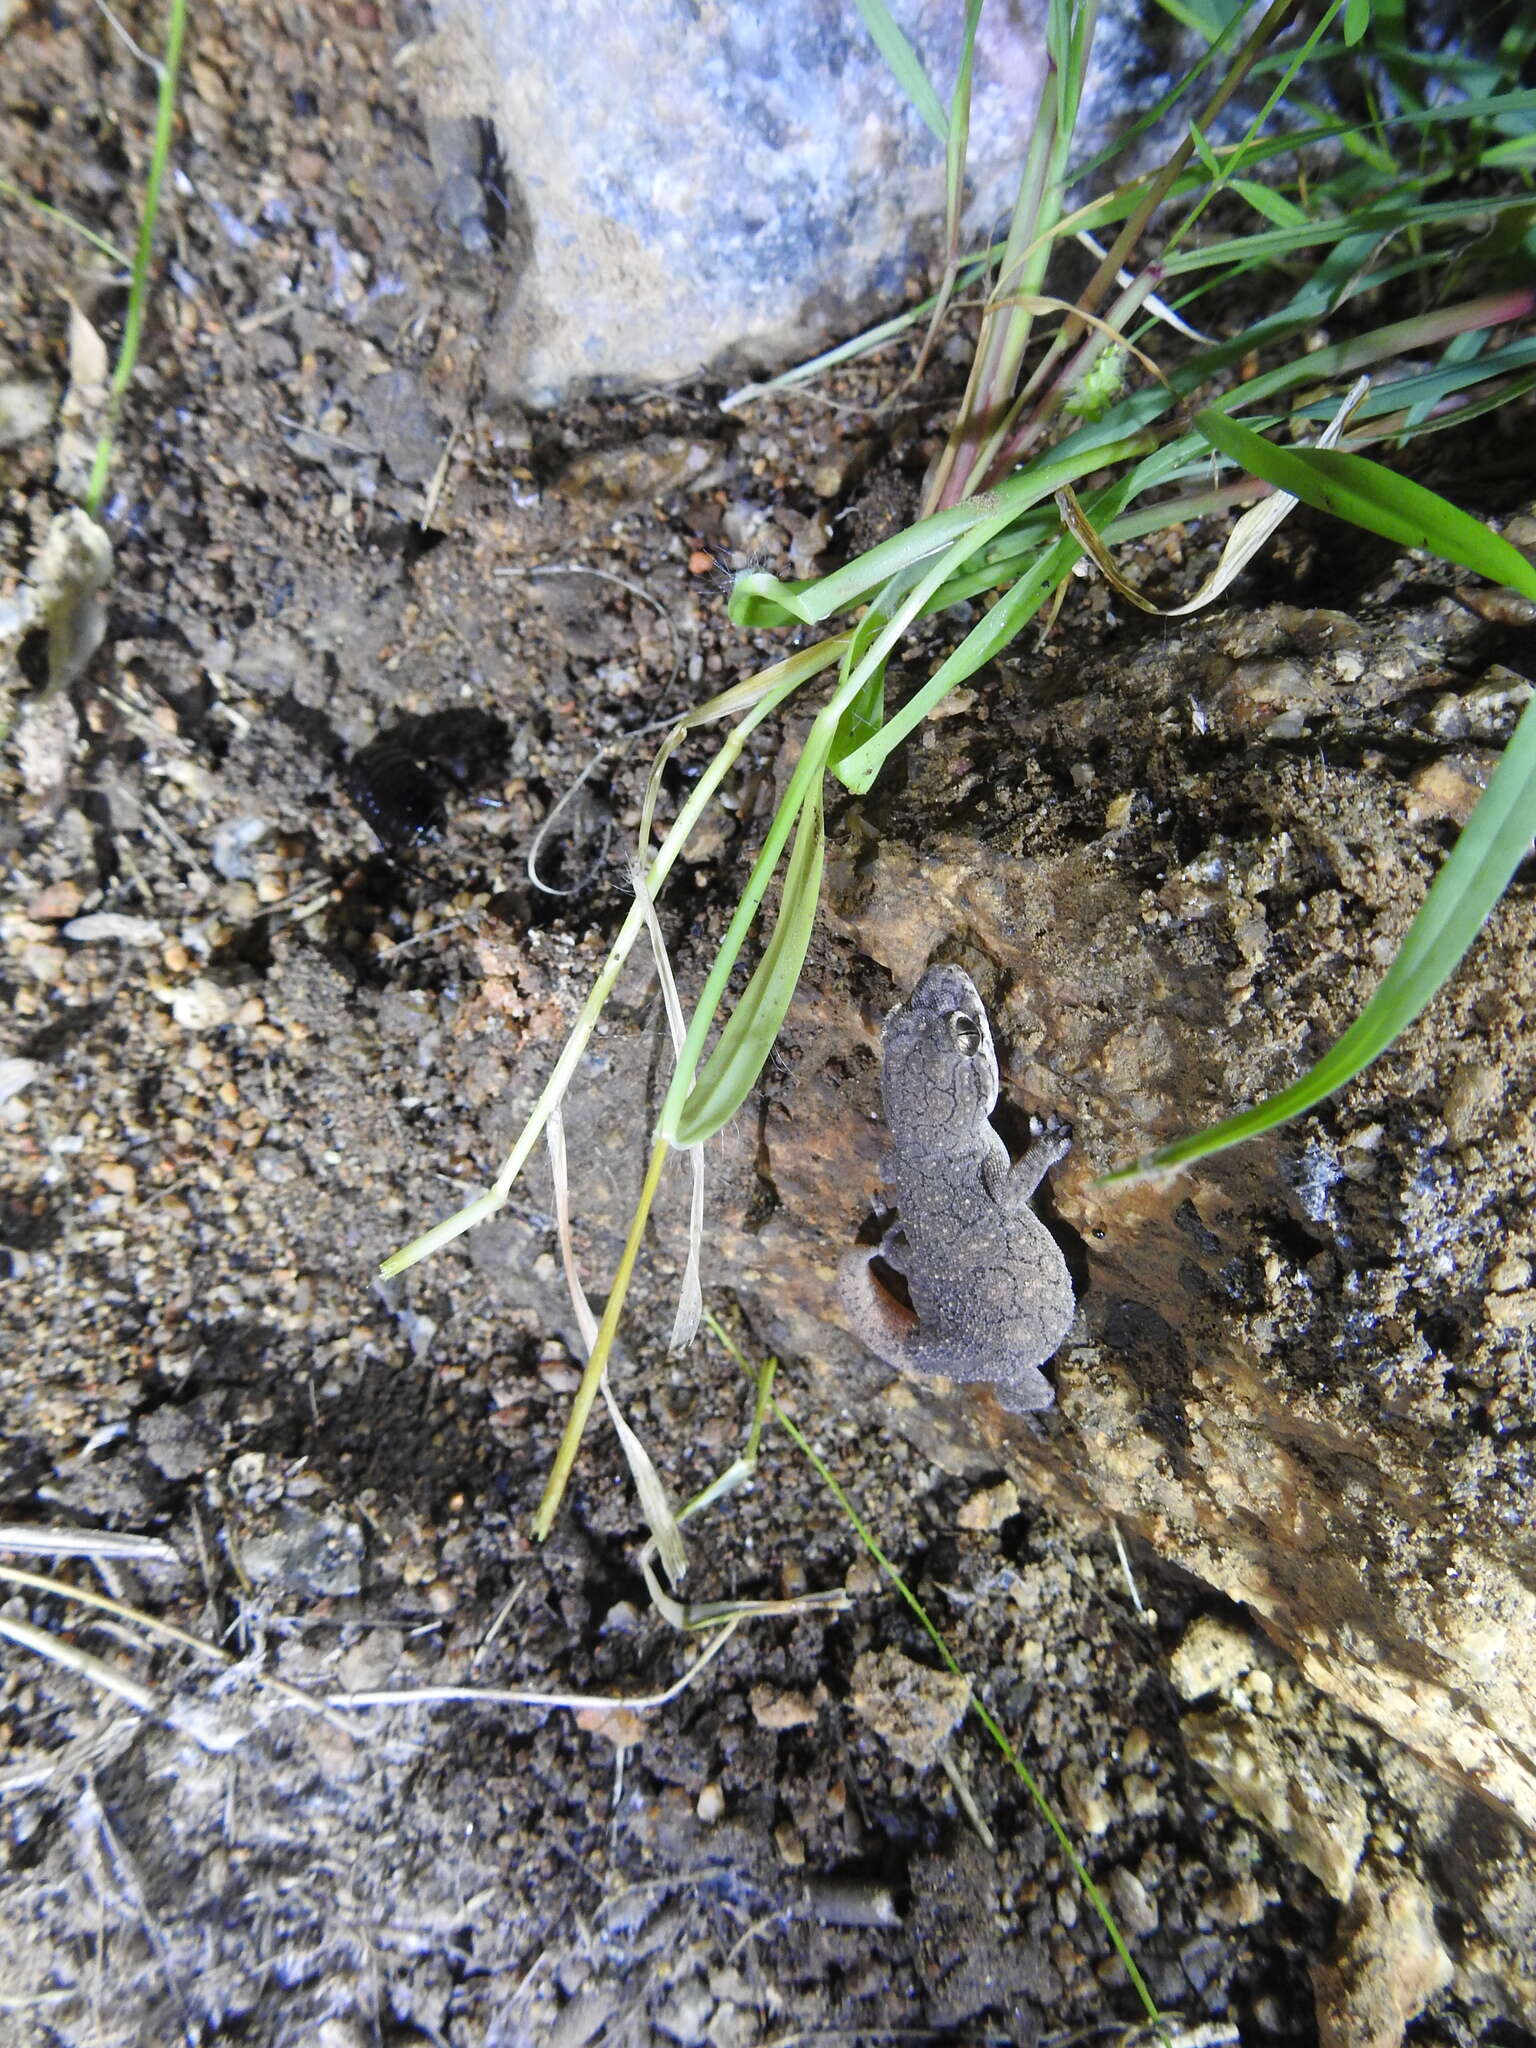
(1287,1785)
(774,1709)
(1450,788)
(621,1726)
(307,166)
(1387,1964)
(913,1709)
(58,902)
(991,1507)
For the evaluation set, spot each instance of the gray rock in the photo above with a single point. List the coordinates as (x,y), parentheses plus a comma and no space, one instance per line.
(730,187)
(233,844)
(402,426)
(319,1556)
(26,407)
(181,1443)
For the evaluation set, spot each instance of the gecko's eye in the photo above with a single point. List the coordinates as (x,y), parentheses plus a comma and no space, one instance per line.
(966,1033)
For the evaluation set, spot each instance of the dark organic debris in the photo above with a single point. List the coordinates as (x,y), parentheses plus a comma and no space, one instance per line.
(403,780)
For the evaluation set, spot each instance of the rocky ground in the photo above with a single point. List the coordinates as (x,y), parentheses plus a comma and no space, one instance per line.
(249,1050)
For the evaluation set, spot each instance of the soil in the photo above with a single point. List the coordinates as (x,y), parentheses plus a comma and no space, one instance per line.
(375,637)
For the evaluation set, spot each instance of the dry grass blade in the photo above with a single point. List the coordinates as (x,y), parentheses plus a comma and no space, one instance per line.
(576,1702)
(130,1884)
(1249,533)
(167,1631)
(770,690)
(560,1174)
(22,1541)
(690,1302)
(1158,308)
(654,1503)
(1041,302)
(82,1663)
(967,1799)
(707,1613)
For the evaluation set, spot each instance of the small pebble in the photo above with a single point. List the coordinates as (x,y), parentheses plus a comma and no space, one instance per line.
(201,1006)
(1471,1101)
(1082,1793)
(16,1076)
(786,1839)
(711,1804)
(774,1709)
(991,1507)
(58,901)
(621,1726)
(1133,1904)
(112,924)
(1140,1796)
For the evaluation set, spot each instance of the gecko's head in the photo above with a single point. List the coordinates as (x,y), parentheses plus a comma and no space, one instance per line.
(940,1066)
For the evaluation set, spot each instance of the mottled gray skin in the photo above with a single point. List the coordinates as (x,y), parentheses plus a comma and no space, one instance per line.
(989,1285)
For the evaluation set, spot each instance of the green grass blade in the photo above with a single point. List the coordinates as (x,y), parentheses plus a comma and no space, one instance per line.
(1005,1748)
(758,599)
(1279,211)
(790,674)
(1371,225)
(1496,839)
(906,67)
(1361,352)
(1125,139)
(730,1073)
(1033,583)
(1518,154)
(67,220)
(138,290)
(854,686)
(1497,395)
(865,715)
(766,689)
(957,141)
(1367,494)
(1229,255)
(987,638)
(1209,18)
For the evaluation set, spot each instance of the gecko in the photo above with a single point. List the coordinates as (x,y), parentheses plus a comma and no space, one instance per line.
(991,1295)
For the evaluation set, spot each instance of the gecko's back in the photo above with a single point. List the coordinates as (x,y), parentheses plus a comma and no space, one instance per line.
(990,1289)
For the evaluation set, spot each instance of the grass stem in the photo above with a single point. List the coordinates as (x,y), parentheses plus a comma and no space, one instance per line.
(138,290)
(607,1329)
